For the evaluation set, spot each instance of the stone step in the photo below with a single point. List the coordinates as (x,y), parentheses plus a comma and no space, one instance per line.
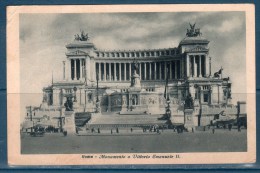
(126,120)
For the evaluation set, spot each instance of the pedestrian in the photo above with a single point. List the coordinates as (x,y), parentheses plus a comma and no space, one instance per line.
(213,130)
(239,128)
(131,130)
(117,131)
(229,127)
(98,130)
(192,130)
(111,131)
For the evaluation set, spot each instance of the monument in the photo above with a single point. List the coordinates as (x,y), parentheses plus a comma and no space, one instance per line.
(136,80)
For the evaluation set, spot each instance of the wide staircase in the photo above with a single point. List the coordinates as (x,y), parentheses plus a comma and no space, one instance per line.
(81,118)
(114,121)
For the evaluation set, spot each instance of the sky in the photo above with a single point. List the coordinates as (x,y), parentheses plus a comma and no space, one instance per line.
(43,38)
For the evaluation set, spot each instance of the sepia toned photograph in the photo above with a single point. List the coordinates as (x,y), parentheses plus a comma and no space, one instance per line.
(131,86)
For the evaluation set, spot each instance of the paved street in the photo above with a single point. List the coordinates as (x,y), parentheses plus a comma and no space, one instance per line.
(167,141)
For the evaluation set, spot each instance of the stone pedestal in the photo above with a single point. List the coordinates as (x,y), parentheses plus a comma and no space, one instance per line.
(69,125)
(188,119)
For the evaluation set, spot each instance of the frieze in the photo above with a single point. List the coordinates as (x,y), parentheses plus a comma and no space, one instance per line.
(76,53)
(197,49)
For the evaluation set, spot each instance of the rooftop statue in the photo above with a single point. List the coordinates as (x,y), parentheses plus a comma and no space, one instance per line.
(193,32)
(82,36)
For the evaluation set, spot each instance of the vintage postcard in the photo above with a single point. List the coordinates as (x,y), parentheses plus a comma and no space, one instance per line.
(131,84)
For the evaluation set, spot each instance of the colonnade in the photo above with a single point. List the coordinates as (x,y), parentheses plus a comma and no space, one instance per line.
(196,65)
(117,71)
(78,70)
(146,53)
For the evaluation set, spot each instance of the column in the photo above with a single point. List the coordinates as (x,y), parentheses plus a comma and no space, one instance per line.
(155,71)
(119,71)
(114,71)
(110,72)
(140,70)
(175,69)
(130,71)
(150,71)
(187,66)
(160,71)
(99,71)
(71,69)
(170,70)
(165,70)
(194,69)
(145,71)
(83,68)
(205,66)
(105,71)
(199,66)
(125,71)
(90,68)
(182,68)
(80,69)
(75,71)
